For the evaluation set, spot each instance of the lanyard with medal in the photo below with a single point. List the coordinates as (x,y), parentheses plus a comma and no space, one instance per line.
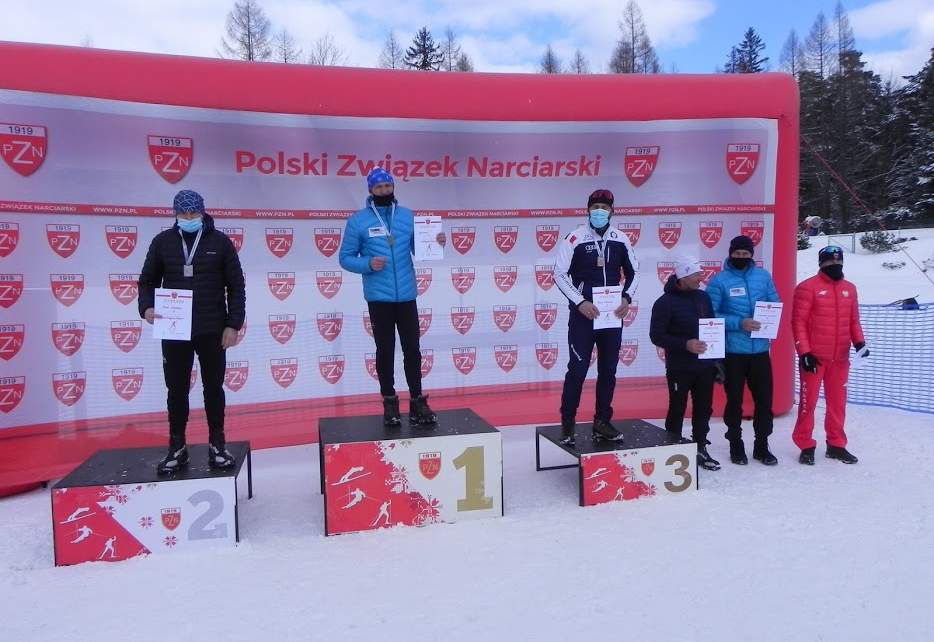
(189,270)
(603,247)
(382,223)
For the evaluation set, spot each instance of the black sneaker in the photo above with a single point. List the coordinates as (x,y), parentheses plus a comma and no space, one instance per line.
(806,457)
(391,416)
(605,430)
(838,452)
(420,414)
(760,452)
(175,459)
(738,452)
(220,457)
(567,432)
(705,461)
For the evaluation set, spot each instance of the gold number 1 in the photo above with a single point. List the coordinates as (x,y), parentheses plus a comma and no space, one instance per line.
(472,460)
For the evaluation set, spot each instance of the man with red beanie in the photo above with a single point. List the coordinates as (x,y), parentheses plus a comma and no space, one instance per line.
(825,321)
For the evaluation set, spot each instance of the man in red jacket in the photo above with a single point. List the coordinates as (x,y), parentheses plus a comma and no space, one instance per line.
(825,321)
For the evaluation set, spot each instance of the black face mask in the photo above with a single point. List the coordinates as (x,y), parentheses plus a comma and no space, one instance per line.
(740,263)
(383,201)
(835,272)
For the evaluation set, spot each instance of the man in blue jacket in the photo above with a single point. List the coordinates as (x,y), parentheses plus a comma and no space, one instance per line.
(378,243)
(734,292)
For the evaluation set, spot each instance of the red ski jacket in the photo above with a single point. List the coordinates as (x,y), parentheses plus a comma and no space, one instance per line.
(825,318)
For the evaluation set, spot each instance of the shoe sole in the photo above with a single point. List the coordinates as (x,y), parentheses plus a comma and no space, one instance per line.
(842,461)
(766,463)
(740,462)
(710,466)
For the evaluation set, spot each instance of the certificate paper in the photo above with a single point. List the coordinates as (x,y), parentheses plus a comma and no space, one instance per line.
(769,315)
(713,333)
(427,229)
(173,315)
(607,299)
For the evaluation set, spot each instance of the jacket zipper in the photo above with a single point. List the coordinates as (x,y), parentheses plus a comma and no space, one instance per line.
(836,320)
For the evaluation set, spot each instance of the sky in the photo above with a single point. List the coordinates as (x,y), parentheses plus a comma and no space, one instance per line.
(691,36)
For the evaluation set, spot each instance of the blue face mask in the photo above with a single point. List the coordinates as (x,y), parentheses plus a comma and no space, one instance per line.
(190,226)
(599,218)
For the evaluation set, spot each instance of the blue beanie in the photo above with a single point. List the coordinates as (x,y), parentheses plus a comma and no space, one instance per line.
(188,201)
(376,176)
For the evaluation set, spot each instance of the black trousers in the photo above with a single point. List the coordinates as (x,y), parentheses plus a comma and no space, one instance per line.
(699,384)
(581,340)
(756,371)
(387,318)
(177,359)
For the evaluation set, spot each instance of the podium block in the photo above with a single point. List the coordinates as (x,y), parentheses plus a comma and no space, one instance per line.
(114,506)
(647,463)
(377,477)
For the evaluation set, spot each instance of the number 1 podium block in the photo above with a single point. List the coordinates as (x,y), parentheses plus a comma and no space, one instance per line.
(114,506)
(377,477)
(647,463)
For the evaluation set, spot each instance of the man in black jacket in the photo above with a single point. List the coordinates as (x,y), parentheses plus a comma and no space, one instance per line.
(194,255)
(674,328)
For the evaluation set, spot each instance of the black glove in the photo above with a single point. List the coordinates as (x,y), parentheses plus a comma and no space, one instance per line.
(860,346)
(720,375)
(809,362)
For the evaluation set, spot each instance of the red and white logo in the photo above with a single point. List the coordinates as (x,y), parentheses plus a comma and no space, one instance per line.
(331,367)
(11,288)
(741,161)
(327,240)
(648,466)
(9,238)
(63,239)
(632,231)
(68,337)
(545,275)
(23,147)
(329,282)
(669,233)
(462,238)
(235,234)
(68,387)
(171,518)
(505,237)
(547,354)
(504,276)
(424,321)
(236,374)
(281,284)
(121,239)
(628,351)
(282,327)
(11,340)
(12,390)
(711,269)
(710,232)
(665,270)
(547,236)
(428,361)
(367,323)
(661,353)
(463,278)
(171,156)
(631,313)
(429,464)
(504,316)
(124,287)
(545,315)
(127,382)
(464,359)
(284,371)
(279,240)
(640,163)
(126,334)
(755,230)
(370,361)
(462,319)
(422,280)
(67,288)
(330,324)
(506,356)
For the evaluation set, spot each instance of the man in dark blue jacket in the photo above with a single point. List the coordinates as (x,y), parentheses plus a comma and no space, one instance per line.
(378,243)
(674,328)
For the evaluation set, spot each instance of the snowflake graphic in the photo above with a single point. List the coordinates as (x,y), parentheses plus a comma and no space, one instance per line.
(145,522)
(398,480)
(107,508)
(170,541)
(116,493)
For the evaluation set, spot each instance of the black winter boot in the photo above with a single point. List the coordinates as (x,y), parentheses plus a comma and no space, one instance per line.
(420,414)
(605,430)
(806,457)
(841,453)
(391,416)
(738,452)
(760,452)
(567,431)
(176,458)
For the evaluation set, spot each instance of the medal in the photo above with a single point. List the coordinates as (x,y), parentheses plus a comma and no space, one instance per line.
(601,262)
(188,271)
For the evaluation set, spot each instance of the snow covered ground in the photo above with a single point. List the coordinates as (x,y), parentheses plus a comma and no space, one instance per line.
(832,552)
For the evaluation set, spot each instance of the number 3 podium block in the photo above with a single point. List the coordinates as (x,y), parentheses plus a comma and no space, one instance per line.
(376,477)
(647,463)
(114,506)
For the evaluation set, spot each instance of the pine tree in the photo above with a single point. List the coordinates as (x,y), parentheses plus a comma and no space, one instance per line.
(792,56)
(747,57)
(845,42)
(424,54)
(911,182)
(391,57)
(550,63)
(818,47)
(248,32)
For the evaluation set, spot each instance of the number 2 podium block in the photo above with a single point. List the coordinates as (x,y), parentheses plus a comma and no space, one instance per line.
(377,477)
(114,506)
(647,463)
